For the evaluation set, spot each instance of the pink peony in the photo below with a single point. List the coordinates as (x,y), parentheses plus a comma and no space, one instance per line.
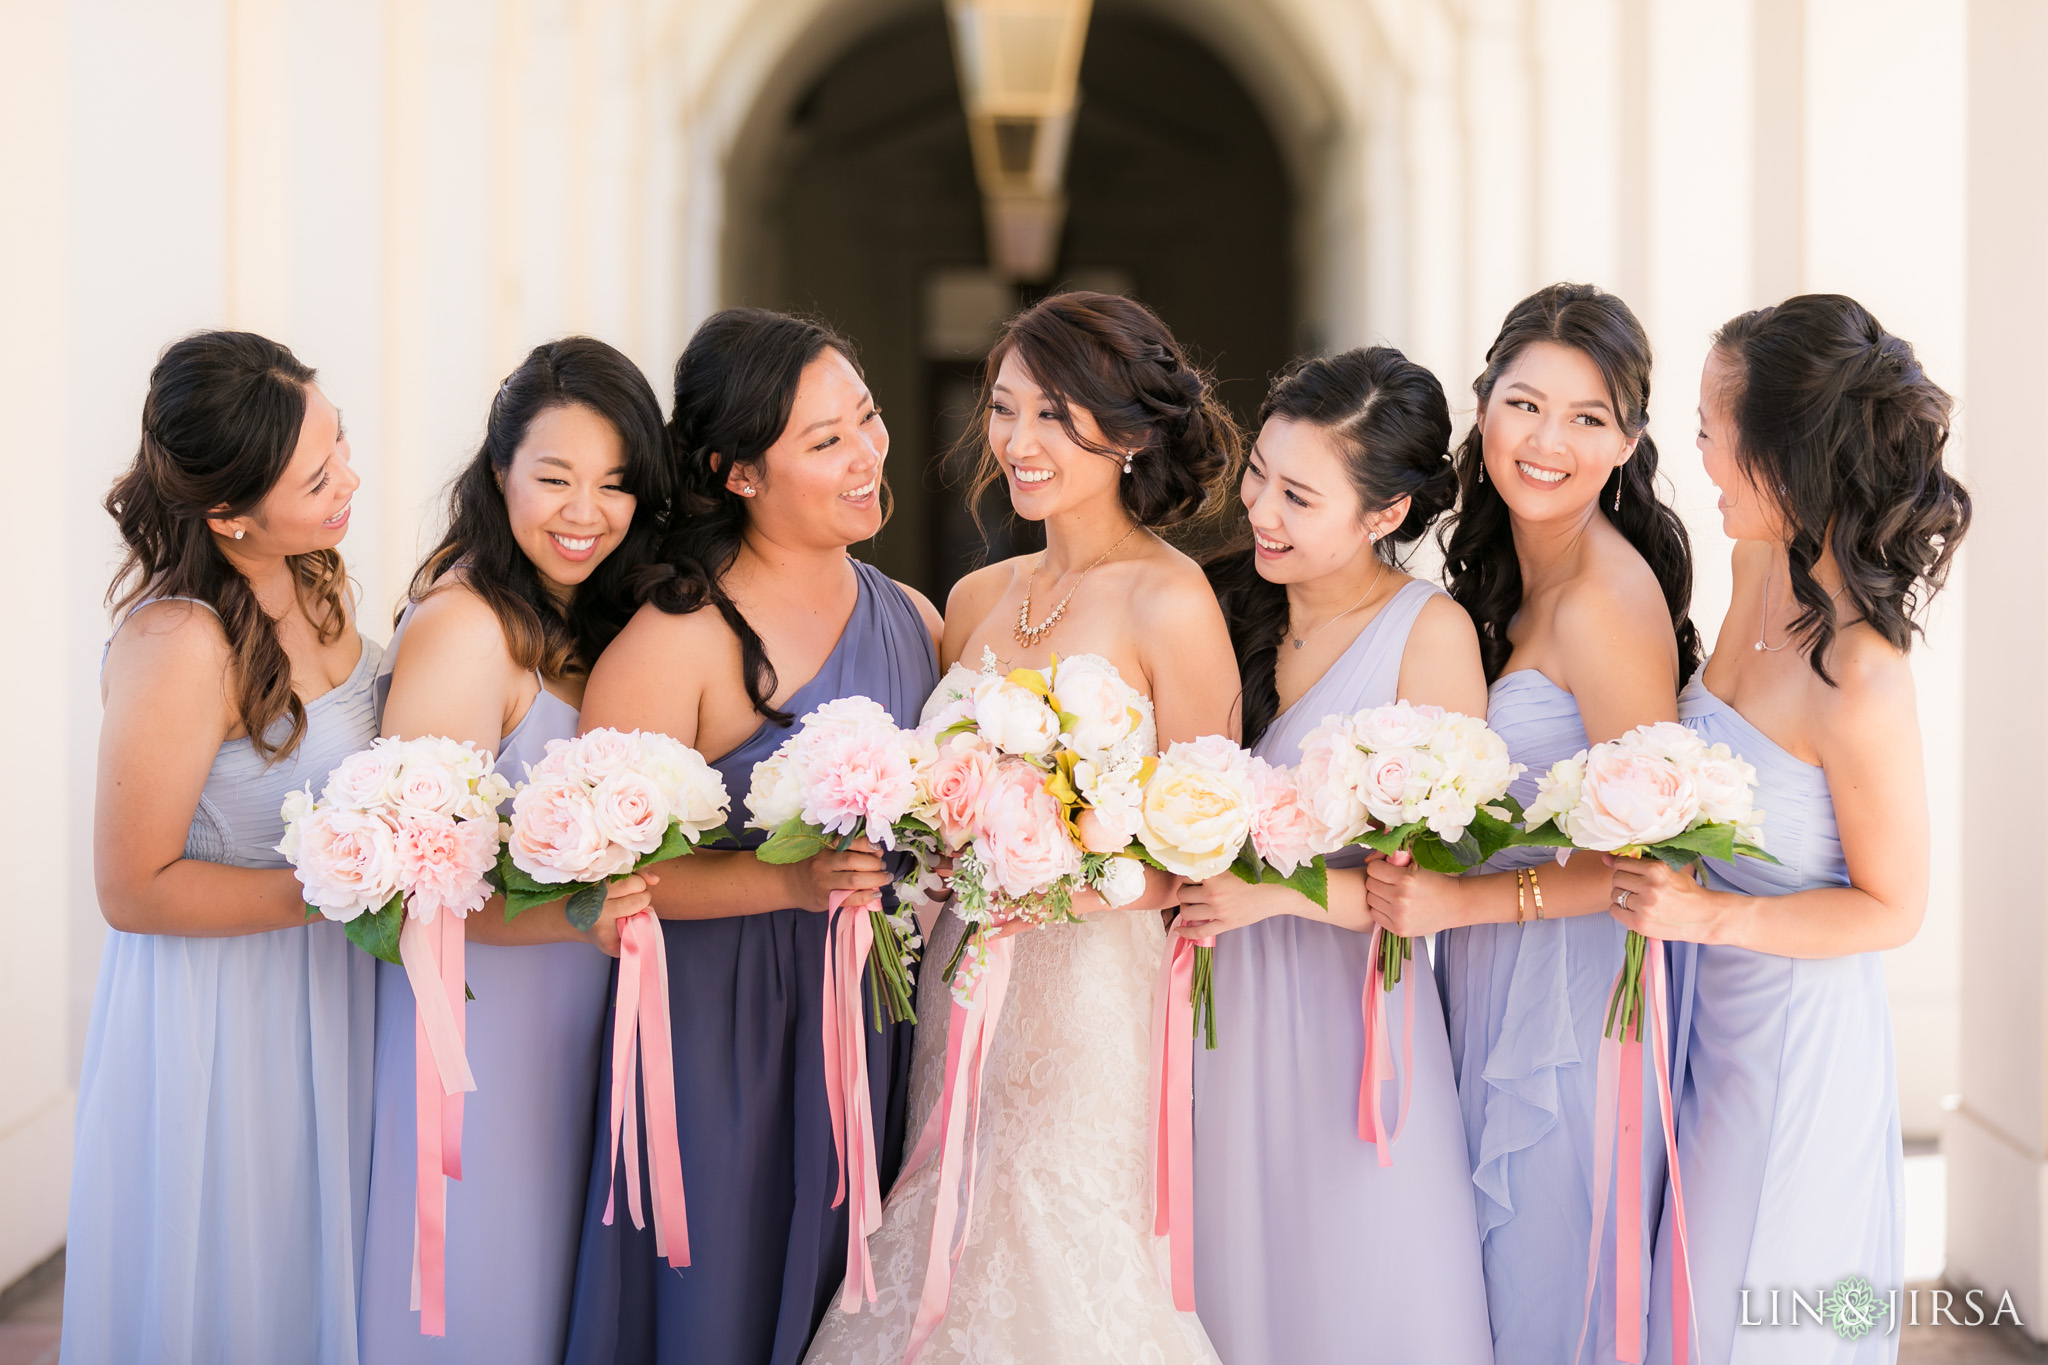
(1628,798)
(859,772)
(1023,835)
(556,837)
(1284,833)
(442,862)
(631,811)
(956,780)
(1328,778)
(347,861)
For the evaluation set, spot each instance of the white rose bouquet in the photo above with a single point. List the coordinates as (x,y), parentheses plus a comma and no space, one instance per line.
(1661,792)
(600,806)
(1415,780)
(850,770)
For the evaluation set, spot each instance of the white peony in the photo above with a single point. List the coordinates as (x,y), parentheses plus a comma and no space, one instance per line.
(1102,710)
(1557,791)
(1727,787)
(696,794)
(1122,881)
(1400,725)
(777,794)
(1015,719)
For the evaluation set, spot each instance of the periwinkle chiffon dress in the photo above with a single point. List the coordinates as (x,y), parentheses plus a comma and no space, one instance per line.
(1525,1005)
(767,1249)
(1306,1248)
(513,1218)
(222,1155)
(1788,1116)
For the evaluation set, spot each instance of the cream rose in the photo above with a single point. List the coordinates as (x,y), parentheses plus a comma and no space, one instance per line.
(1727,787)
(366,778)
(777,794)
(1197,811)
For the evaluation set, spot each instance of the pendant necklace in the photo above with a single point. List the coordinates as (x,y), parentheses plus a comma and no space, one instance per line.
(1764,627)
(1029,635)
(1300,640)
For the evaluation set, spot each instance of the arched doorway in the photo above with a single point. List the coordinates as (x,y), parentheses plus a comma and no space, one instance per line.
(867,214)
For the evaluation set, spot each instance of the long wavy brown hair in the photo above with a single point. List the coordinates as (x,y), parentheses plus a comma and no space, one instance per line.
(218,430)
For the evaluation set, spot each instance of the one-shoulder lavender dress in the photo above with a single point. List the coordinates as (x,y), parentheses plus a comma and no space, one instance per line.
(1525,1005)
(767,1249)
(513,1218)
(1306,1248)
(223,1138)
(1788,1115)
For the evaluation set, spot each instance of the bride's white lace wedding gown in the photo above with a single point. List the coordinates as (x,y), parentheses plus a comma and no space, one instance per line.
(1059,1267)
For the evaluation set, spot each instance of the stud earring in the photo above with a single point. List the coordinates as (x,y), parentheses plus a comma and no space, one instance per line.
(748,489)
(238,535)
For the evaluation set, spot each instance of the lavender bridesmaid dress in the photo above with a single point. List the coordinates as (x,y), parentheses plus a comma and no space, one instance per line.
(224,1108)
(1526,1004)
(1306,1248)
(1788,1114)
(513,1217)
(767,1248)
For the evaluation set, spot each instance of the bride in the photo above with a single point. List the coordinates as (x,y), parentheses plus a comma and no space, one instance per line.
(1098,427)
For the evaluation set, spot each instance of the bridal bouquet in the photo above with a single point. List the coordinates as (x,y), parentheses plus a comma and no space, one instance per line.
(595,808)
(1415,780)
(1661,792)
(399,848)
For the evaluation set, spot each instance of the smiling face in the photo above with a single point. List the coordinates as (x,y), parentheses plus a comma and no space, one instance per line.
(307,509)
(1550,434)
(1746,513)
(565,494)
(1305,512)
(820,484)
(1046,470)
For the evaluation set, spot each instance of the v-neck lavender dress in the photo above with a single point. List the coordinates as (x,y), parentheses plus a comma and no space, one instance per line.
(513,1218)
(224,1108)
(1525,1005)
(1306,1248)
(1788,1114)
(767,1248)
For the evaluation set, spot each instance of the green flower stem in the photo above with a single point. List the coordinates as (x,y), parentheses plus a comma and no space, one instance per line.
(889,983)
(1202,996)
(1393,952)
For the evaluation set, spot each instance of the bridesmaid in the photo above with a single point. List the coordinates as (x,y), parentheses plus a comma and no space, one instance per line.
(1579,579)
(557,509)
(1306,1247)
(758,616)
(223,1111)
(1825,439)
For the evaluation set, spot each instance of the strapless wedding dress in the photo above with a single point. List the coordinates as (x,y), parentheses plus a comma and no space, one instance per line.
(1060,1266)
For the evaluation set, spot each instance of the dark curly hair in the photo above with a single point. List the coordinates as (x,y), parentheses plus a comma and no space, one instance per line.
(736,384)
(539,632)
(1837,424)
(219,428)
(1390,421)
(1480,566)
(1115,360)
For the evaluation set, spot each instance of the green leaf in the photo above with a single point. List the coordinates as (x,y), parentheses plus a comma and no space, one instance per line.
(794,842)
(1708,841)
(376,931)
(1390,841)
(1432,853)
(1311,879)
(677,843)
(958,727)
(1465,850)
(522,893)
(1749,850)
(584,908)
(1491,835)
(1248,867)
(312,910)
(1677,859)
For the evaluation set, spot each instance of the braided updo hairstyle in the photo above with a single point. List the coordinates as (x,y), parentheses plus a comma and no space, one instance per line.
(1114,359)
(1837,424)
(1392,426)
(1480,565)
(735,386)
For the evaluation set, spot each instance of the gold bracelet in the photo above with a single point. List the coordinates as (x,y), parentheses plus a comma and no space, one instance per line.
(1536,888)
(1521,895)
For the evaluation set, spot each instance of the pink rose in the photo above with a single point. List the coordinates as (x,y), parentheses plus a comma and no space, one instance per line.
(956,780)
(366,778)
(442,862)
(631,811)
(1629,797)
(347,861)
(1392,781)
(1284,833)
(1023,832)
(600,753)
(1100,835)
(427,786)
(556,837)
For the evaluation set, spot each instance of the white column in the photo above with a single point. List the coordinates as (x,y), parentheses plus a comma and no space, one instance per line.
(1996,1140)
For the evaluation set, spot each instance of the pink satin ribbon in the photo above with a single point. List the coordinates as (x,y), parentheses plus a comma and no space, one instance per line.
(950,1128)
(1173,1116)
(641,1048)
(1379,1056)
(1617,1123)
(849,937)
(432,957)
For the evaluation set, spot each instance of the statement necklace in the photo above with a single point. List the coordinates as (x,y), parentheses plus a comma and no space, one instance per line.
(1300,640)
(1029,635)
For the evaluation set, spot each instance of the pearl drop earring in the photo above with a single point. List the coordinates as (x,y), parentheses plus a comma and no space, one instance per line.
(1128,456)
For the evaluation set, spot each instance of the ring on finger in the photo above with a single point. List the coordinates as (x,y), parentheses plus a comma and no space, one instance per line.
(1621,898)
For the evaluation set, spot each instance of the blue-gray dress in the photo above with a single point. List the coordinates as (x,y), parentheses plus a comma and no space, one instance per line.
(1525,1005)
(223,1143)
(1788,1114)
(1306,1248)
(514,1217)
(767,1248)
